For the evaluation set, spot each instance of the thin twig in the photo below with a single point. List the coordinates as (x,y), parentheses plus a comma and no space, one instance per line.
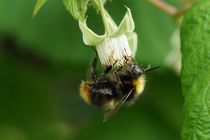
(170,10)
(184,8)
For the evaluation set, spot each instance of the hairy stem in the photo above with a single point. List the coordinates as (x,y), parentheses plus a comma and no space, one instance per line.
(102,11)
(170,10)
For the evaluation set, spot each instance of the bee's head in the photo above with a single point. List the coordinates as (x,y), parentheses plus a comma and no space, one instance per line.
(136,71)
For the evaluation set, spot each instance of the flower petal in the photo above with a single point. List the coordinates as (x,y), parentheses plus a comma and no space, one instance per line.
(133,42)
(127,24)
(112,51)
(112,25)
(89,37)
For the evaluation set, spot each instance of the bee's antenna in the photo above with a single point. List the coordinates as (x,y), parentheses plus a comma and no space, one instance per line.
(107,70)
(149,69)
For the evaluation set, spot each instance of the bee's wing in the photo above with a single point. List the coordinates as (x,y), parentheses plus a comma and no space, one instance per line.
(108,113)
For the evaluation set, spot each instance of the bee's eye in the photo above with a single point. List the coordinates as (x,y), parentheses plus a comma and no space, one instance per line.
(136,71)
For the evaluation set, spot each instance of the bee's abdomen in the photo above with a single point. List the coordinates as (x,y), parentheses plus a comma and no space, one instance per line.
(85,92)
(101,94)
(97,94)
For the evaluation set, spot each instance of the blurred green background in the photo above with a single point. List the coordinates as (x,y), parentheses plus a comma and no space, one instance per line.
(43,60)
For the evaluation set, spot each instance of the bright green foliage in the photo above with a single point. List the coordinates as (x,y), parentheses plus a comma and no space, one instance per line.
(195,39)
(38,6)
(77,8)
(95,3)
(43,103)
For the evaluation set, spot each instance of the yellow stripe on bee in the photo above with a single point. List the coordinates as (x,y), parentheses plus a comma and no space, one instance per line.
(85,92)
(139,84)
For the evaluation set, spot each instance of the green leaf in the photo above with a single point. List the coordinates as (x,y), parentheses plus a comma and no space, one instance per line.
(77,8)
(195,74)
(95,4)
(39,4)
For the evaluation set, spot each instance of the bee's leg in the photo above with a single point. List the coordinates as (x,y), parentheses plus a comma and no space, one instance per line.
(107,70)
(118,80)
(117,76)
(93,69)
(125,61)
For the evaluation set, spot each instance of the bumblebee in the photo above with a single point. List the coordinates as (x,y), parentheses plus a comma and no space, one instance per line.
(113,89)
(100,91)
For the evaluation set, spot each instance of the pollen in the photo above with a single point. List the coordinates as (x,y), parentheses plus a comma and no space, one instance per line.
(85,91)
(139,84)
(110,104)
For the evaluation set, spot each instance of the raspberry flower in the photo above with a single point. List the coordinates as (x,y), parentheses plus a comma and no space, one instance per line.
(116,43)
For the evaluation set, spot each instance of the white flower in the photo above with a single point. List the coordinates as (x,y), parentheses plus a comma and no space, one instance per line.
(117,41)
(112,50)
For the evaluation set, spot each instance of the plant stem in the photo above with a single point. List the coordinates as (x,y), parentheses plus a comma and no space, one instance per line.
(184,8)
(170,10)
(103,14)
